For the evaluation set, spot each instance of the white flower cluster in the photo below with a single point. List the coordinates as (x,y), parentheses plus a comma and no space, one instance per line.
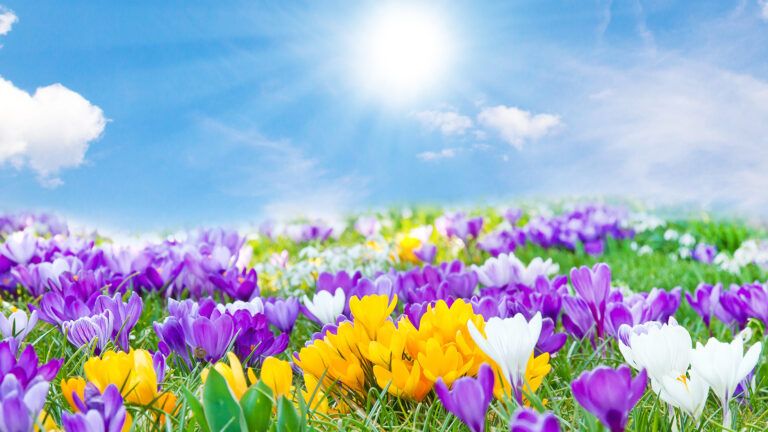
(292,277)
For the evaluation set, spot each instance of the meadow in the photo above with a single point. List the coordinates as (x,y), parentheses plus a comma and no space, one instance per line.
(575,316)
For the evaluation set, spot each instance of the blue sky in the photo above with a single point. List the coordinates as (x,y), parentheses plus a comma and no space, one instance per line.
(247,110)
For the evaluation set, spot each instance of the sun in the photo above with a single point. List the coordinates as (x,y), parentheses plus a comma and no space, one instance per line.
(402,51)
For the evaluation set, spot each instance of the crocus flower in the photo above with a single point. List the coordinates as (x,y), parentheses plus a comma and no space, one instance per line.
(747,301)
(125,316)
(26,366)
(85,330)
(469,398)
(723,366)
(609,394)
(20,406)
(17,325)
(527,420)
(97,412)
(660,349)
(687,392)
(426,253)
(282,313)
(592,286)
(324,306)
(20,247)
(704,253)
(509,343)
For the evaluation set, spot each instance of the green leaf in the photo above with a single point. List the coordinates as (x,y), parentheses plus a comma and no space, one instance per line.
(257,407)
(287,418)
(197,410)
(221,409)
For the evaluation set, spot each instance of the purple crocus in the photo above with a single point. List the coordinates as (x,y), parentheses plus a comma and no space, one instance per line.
(87,329)
(98,412)
(705,253)
(746,301)
(282,313)
(19,405)
(426,253)
(20,247)
(705,300)
(592,287)
(610,394)
(528,420)
(26,367)
(469,398)
(125,316)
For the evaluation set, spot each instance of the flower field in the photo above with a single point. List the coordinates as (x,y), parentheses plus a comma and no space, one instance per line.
(533,318)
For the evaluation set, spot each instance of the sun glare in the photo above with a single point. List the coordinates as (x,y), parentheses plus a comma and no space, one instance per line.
(402,51)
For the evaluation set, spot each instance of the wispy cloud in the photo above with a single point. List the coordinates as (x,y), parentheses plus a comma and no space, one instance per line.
(763,5)
(446,153)
(447,122)
(678,129)
(7,19)
(517,126)
(289,182)
(47,131)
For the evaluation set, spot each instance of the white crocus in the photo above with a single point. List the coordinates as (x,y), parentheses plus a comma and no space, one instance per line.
(661,349)
(498,271)
(20,246)
(17,325)
(254,306)
(723,366)
(509,342)
(537,267)
(326,307)
(686,392)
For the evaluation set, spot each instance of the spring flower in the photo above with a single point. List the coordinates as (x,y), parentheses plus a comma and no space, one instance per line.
(85,330)
(609,394)
(687,392)
(17,325)
(26,367)
(278,376)
(237,378)
(660,349)
(97,412)
(723,366)
(20,247)
(469,398)
(498,271)
(132,372)
(509,343)
(705,300)
(592,286)
(19,406)
(324,306)
(282,313)
(527,420)
(371,311)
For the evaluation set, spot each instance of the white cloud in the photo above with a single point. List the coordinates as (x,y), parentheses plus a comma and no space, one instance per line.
(446,153)
(47,131)
(517,126)
(448,122)
(763,4)
(7,19)
(676,130)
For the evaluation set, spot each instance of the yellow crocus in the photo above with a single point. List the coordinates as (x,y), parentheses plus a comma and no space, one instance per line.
(278,376)
(372,311)
(133,373)
(233,374)
(406,248)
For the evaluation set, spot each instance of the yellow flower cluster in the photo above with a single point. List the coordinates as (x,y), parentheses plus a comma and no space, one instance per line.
(405,359)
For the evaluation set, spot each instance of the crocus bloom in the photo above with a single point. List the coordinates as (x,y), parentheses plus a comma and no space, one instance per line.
(705,300)
(97,412)
(687,392)
(85,330)
(527,420)
(509,343)
(278,376)
(20,406)
(469,398)
(723,366)
(661,349)
(325,307)
(26,366)
(592,286)
(20,247)
(609,394)
(17,325)
(234,374)
(282,313)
